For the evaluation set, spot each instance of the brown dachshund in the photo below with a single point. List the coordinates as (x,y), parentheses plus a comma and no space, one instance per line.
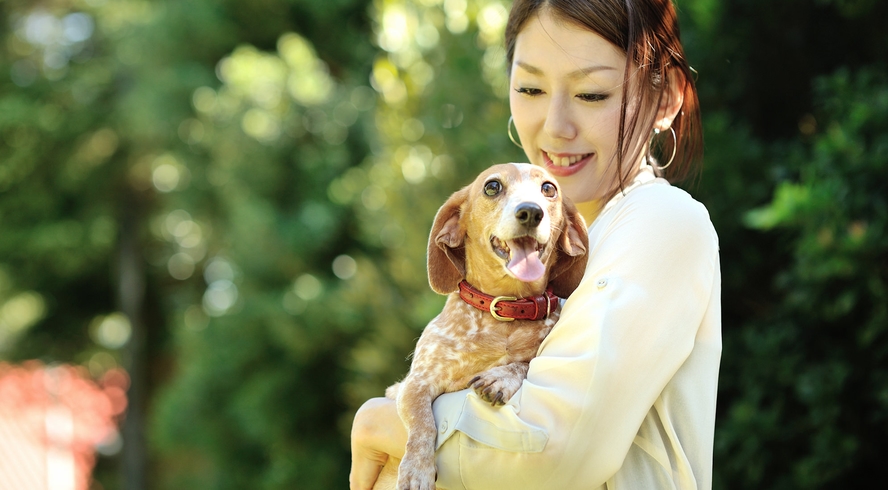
(503,249)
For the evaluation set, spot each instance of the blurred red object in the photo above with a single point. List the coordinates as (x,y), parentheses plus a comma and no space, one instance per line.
(52,419)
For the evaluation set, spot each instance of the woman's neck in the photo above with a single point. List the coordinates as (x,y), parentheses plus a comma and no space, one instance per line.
(589,210)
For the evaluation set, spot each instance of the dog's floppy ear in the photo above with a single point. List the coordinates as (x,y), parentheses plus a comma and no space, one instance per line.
(570,262)
(447,253)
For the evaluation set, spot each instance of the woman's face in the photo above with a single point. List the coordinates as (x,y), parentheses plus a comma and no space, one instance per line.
(565,97)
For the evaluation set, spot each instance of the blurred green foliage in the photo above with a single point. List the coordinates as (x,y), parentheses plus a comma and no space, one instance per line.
(275,165)
(814,379)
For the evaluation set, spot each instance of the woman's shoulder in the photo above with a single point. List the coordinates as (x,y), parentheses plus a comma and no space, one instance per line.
(658,199)
(657,206)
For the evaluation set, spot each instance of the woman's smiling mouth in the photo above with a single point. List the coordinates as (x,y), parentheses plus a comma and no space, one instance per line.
(564,165)
(562,160)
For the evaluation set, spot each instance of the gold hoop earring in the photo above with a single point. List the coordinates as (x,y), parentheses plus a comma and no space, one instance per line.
(509,132)
(674,146)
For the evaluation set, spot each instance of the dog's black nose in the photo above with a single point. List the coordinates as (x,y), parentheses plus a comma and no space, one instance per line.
(529,214)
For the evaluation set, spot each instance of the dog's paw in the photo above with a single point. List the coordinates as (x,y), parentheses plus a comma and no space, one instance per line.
(497,385)
(416,473)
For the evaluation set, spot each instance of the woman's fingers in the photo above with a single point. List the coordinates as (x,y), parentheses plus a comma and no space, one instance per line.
(377,432)
(366,465)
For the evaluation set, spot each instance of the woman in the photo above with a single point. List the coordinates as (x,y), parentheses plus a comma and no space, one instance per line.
(622,394)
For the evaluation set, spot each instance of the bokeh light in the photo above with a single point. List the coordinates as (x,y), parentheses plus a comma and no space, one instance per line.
(219,297)
(307,287)
(18,313)
(344,267)
(111,331)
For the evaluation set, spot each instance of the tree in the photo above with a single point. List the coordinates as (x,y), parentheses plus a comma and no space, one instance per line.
(811,383)
(778,91)
(125,192)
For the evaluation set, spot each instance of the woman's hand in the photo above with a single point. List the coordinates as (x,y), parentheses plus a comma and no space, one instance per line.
(377,433)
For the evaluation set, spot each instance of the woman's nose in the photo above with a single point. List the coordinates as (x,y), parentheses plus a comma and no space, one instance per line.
(559,121)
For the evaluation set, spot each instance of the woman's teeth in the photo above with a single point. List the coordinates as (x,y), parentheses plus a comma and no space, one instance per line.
(565,161)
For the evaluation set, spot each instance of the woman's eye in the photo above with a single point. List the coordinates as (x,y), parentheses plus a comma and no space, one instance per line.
(549,190)
(528,91)
(493,188)
(592,97)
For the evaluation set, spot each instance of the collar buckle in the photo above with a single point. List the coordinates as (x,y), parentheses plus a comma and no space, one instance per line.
(493,308)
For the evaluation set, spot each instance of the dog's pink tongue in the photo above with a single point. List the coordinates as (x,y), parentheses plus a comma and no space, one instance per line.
(525,263)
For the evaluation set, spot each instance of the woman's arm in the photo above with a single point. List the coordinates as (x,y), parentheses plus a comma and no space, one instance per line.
(377,433)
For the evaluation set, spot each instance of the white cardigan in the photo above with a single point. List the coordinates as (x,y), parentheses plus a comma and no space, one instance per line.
(622,394)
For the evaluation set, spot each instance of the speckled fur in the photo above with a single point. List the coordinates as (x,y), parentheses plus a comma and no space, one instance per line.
(465,347)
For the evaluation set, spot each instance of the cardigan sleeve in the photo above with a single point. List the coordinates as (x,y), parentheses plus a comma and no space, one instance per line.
(622,336)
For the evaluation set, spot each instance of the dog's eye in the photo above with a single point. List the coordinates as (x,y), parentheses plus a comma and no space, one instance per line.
(549,189)
(493,188)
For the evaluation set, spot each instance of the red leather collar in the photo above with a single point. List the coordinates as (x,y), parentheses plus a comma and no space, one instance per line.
(508,308)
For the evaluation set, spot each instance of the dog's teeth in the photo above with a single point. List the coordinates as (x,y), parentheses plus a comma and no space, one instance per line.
(500,248)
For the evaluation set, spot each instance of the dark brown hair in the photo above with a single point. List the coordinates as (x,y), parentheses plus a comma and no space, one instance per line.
(647,31)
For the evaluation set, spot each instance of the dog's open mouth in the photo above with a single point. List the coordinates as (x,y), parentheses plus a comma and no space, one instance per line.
(522,256)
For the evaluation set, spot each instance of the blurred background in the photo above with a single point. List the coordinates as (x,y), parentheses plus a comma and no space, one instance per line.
(222,207)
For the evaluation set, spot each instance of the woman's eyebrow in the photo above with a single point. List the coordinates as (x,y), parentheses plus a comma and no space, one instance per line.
(579,73)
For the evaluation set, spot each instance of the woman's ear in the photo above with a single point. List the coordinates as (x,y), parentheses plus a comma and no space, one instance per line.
(573,245)
(446,254)
(671,101)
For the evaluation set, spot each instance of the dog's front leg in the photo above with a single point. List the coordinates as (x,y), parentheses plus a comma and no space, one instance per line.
(417,470)
(498,384)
